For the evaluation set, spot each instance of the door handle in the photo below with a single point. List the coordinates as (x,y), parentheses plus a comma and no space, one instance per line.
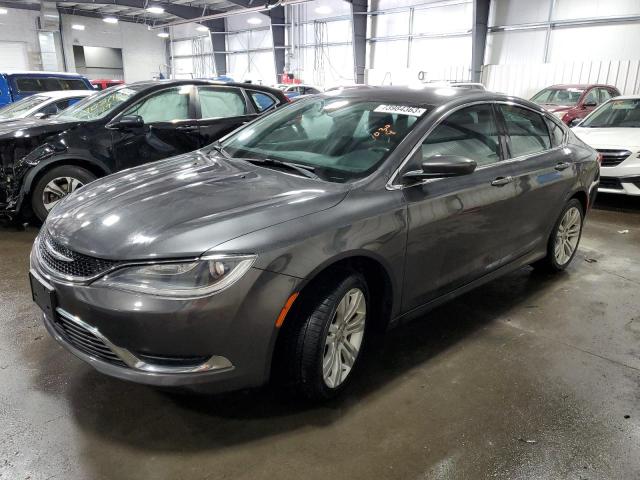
(187,128)
(501,181)
(562,166)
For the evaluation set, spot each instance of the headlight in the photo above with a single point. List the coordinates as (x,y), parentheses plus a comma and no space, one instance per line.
(198,278)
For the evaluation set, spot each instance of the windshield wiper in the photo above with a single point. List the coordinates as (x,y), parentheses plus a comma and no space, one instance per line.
(304,170)
(217,146)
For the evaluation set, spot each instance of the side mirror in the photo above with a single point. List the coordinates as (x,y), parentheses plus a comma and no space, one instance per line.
(41,116)
(574,122)
(441,166)
(589,104)
(128,122)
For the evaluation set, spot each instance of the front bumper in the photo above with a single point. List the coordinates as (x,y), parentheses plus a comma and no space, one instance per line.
(623,178)
(130,336)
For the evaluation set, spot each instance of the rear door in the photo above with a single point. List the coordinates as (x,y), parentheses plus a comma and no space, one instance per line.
(220,110)
(542,172)
(458,226)
(170,128)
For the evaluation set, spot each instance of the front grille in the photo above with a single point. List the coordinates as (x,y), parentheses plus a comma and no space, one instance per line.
(610,182)
(612,158)
(58,259)
(85,341)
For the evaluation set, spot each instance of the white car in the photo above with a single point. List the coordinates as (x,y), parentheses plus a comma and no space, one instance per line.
(614,130)
(43,105)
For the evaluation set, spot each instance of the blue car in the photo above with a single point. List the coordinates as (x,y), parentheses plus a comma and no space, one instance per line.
(15,86)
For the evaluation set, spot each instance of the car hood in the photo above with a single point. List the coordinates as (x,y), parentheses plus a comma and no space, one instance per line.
(32,127)
(183,206)
(628,138)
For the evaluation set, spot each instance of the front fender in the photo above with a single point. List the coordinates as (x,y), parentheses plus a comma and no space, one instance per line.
(34,169)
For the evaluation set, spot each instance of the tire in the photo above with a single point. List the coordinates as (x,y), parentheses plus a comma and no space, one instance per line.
(555,262)
(69,178)
(314,333)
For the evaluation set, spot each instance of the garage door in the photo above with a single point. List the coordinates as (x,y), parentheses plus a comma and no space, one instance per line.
(13,55)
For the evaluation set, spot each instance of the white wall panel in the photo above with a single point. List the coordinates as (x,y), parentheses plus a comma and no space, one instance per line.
(524,46)
(428,52)
(526,80)
(568,9)
(445,19)
(20,26)
(514,12)
(601,42)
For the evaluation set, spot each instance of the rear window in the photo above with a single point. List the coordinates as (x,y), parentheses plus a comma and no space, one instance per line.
(48,84)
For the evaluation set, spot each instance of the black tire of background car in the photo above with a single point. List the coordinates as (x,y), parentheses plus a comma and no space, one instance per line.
(72,171)
(549,262)
(305,335)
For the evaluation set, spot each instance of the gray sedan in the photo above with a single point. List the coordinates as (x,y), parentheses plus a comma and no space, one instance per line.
(278,251)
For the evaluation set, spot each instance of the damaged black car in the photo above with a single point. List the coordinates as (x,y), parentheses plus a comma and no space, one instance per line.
(122,127)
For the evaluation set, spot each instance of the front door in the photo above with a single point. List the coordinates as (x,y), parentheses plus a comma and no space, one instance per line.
(170,128)
(458,226)
(220,111)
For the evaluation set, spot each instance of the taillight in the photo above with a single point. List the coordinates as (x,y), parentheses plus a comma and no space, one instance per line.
(599,158)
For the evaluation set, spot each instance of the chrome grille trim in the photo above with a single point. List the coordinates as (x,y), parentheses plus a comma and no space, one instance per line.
(63,263)
(613,157)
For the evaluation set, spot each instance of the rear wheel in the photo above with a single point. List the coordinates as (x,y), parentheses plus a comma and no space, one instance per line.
(56,184)
(564,239)
(327,339)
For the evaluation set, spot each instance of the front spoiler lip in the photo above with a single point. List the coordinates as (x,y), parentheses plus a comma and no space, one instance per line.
(133,375)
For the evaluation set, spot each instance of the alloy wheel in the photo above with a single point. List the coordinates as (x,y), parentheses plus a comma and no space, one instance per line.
(344,338)
(567,235)
(58,188)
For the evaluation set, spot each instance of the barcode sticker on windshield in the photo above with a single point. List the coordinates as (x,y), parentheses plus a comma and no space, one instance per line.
(400,110)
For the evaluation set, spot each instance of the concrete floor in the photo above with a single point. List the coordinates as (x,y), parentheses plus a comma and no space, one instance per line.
(529,377)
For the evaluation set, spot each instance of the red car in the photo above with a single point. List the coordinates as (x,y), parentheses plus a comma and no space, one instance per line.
(572,103)
(103,83)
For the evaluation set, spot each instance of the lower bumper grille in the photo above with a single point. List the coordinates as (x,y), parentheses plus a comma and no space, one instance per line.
(85,341)
(610,182)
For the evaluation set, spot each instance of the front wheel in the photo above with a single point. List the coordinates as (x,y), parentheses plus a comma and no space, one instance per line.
(327,341)
(56,184)
(564,239)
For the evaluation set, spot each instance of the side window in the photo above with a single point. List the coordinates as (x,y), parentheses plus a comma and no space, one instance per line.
(526,129)
(591,98)
(470,132)
(165,106)
(604,95)
(261,100)
(557,134)
(221,102)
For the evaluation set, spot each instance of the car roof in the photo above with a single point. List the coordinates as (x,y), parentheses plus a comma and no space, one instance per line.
(151,84)
(626,97)
(423,95)
(28,72)
(578,85)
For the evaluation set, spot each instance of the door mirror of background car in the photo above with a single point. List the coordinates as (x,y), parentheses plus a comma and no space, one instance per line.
(128,122)
(41,116)
(441,166)
(575,122)
(589,104)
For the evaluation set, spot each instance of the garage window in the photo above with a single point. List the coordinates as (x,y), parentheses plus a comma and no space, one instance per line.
(470,132)
(527,131)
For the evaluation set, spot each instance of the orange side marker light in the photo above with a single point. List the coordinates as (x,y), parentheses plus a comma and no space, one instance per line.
(285,309)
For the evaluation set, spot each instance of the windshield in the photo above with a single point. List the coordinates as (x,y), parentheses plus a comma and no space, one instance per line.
(558,96)
(615,114)
(341,139)
(98,105)
(20,108)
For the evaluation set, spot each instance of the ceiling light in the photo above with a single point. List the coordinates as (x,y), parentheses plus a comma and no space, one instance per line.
(3,11)
(163,35)
(323,10)
(110,20)
(77,26)
(156,10)
(202,28)
(254,20)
